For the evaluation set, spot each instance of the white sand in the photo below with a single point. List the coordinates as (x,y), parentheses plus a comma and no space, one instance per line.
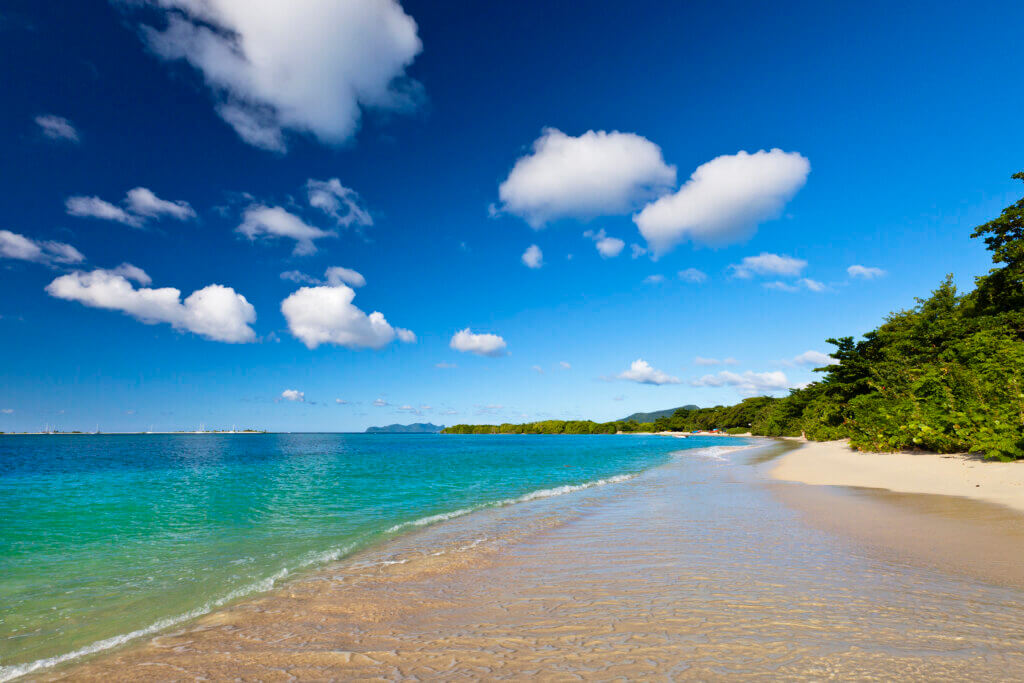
(834,463)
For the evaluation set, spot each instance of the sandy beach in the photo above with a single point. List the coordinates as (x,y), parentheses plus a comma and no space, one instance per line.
(834,463)
(692,570)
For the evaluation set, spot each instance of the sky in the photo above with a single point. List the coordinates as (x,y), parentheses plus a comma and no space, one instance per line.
(321,216)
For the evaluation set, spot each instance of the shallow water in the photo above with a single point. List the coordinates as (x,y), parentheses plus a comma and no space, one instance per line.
(106,537)
(692,569)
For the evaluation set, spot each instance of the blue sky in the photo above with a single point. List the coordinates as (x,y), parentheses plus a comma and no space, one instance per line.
(458,135)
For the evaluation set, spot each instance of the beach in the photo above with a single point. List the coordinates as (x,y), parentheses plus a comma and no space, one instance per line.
(834,463)
(692,569)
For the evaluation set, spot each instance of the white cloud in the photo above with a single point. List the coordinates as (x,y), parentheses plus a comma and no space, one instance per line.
(654,279)
(533,257)
(595,174)
(94,207)
(637,250)
(445,366)
(56,127)
(781,286)
(480,344)
(700,360)
(406,336)
(142,202)
(130,272)
(141,205)
(608,247)
(341,401)
(293,395)
(325,315)
(564,365)
(865,272)
(215,312)
(380,403)
(273,221)
(693,276)
(768,264)
(538,369)
(816,358)
(802,283)
(812,285)
(642,372)
(748,383)
(336,275)
(724,200)
(7,411)
(305,67)
(21,248)
(337,201)
(299,277)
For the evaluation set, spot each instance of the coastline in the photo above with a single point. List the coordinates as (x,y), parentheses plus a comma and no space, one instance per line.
(687,570)
(834,463)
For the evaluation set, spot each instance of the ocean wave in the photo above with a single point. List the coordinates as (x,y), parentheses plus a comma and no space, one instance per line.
(708,452)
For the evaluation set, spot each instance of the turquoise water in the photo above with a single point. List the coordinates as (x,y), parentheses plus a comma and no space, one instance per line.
(104,537)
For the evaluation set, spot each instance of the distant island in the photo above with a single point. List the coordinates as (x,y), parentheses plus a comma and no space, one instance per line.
(651,417)
(416,428)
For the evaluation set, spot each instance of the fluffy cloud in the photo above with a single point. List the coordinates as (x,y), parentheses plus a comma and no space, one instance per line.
(480,344)
(130,272)
(293,395)
(141,205)
(654,279)
(337,201)
(608,247)
(748,383)
(143,202)
(865,272)
(724,200)
(21,248)
(341,401)
(215,312)
(533,257)
(692,275)
(595,174)
(336,275)
(642,372)
(405,336)
(273,221)
(326,315)
(307,67)
(768,264)
(56,128)
(816,358)
(638,250)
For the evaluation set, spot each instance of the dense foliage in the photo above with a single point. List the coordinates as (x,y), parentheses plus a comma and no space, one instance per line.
(946,375)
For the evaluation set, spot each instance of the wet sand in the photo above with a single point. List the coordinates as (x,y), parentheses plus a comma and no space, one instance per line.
(698,569)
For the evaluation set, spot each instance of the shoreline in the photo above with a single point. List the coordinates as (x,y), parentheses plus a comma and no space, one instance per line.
(834,463)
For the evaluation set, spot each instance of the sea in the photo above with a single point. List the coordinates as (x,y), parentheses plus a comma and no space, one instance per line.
(105,539)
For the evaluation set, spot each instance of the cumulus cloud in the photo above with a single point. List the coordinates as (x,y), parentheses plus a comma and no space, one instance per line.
(326,315)
(693,276)
(21,248)
(273,221)
(816,358)
(140,205)
(642,372)
(607,247)
(724,200)
(293,395)
(596,174)
(654,279)
(467,341)
(865,272)
(406,336)
(802,283)
(215,312)
(56,128)
(768,264)
(336,275)
(308,68)
(748,383)
(299,277)
(638,250)
(130,272)
(142,202)
(337,201)
(533,257)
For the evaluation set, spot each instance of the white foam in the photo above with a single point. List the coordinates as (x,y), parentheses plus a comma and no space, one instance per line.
(432,519)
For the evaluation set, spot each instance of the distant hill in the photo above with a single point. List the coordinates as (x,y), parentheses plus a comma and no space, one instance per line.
(417,428)
(651,417)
